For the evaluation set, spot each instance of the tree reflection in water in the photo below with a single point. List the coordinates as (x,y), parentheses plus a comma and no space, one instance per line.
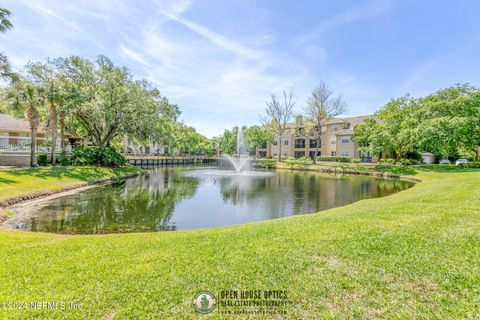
(144,203)
(172,198)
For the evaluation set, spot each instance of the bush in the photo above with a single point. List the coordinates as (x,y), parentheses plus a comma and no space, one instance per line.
(42,159)
(107,157)
(64,160)
(300,162)
(407,162)
(387,161)
(267,163)
(356,160)
(334,158)
(475,164)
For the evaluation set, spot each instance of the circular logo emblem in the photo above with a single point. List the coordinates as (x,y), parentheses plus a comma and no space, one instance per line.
(204,302)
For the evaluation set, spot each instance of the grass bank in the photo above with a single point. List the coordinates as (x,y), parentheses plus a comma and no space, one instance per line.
(414,254)
(18,183)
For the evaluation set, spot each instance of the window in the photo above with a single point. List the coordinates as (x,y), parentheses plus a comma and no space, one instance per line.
(345,153)
(299,154)
(313,143)
(333,153)
(275,143)
(275,154)
(346,125)
(262,154)
(285,142)
(284,154)
(346,139)
(263,145)
(299,143)
(334,141)
(3,138)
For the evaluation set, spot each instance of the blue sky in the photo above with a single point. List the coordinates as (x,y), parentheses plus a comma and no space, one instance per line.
(221,60)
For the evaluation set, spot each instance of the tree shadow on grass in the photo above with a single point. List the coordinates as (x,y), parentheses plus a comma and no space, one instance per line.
(7,181)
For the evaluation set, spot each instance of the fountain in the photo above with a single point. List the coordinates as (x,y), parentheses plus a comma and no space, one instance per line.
(242,161)
(135,150)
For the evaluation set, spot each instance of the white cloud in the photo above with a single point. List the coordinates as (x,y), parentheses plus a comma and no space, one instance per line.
(370,9)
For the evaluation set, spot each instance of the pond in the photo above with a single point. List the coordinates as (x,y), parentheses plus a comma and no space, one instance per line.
(183,197)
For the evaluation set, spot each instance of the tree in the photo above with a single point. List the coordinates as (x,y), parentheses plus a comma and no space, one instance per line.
(278,114)
(398,124)
(109,103)
(256,137)
(46,76)
(450,121)
(322,106)
(370,137)
(228,141)
(5,24)
(25,95)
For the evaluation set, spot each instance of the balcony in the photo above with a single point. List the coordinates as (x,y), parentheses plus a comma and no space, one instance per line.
(25,148)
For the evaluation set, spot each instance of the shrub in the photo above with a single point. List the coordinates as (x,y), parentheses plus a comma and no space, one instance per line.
(300,162)
(97,156)
(267,163)
(42,159)
(356,160)
(334,158)
(64,160)
(387,161)
(475,164)
(407,162)
(304,161)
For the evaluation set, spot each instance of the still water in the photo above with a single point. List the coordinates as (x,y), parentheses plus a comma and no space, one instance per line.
(178,198)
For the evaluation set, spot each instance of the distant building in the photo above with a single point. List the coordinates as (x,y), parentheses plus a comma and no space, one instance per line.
(336,141)
(15,140)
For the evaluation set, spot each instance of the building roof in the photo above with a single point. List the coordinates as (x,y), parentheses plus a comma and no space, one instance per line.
(354,121)
(10,123)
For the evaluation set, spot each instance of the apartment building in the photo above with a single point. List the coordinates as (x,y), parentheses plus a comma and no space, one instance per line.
(336,141)
(15,140)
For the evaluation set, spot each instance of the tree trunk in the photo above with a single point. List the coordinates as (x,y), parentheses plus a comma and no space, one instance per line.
(61,121)
(280,150)
(33,119)
(477,154)
(316,152)
(53,127)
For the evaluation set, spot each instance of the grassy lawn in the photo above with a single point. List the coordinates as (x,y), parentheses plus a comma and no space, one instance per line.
(19,182)
(414,254)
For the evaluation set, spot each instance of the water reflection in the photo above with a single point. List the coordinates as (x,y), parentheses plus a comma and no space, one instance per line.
(172,198)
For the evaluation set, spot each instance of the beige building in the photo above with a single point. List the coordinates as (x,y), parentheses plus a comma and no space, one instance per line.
(336,141)
(15,140)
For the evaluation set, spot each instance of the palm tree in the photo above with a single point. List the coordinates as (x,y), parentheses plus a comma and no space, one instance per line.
(5,24)
(26,94)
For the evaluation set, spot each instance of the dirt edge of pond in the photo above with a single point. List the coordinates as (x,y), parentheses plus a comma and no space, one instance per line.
(40,195)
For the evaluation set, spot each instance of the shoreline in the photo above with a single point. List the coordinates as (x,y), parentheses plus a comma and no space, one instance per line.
(29,200)
(354,172)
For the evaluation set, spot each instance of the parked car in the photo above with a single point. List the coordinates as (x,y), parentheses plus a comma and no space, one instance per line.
(460,161)
(444,161)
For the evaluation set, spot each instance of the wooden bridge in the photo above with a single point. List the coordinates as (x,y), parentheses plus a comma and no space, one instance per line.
(166,160)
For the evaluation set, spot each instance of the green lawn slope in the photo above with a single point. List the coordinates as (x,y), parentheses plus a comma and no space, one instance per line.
(413,254)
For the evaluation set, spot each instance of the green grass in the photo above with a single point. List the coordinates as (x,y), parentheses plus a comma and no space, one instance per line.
(19,182)
(414,254)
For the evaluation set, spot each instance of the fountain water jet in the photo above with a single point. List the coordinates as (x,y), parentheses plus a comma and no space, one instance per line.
(242,161)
